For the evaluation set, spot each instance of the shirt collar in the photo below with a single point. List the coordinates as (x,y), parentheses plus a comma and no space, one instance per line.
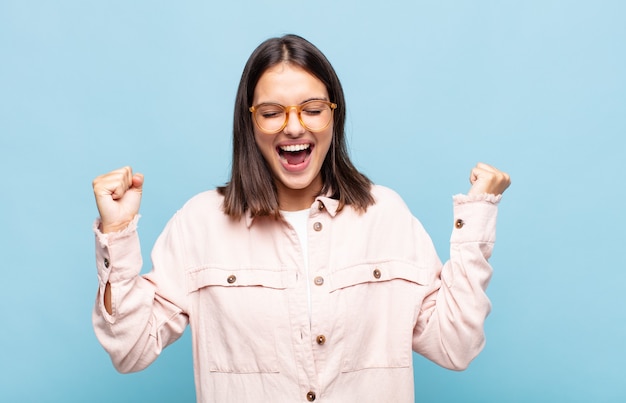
(321,203)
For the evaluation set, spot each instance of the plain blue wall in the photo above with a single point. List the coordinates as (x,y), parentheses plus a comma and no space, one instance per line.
(537,88)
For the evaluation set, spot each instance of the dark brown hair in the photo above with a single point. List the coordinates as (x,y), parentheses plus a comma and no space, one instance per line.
(251,186)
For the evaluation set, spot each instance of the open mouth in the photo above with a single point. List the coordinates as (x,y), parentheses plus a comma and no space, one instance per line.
(294,154)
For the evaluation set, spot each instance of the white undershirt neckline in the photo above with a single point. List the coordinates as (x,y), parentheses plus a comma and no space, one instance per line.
(298,220)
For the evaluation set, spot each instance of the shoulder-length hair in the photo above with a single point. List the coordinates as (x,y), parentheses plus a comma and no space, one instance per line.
(251,187)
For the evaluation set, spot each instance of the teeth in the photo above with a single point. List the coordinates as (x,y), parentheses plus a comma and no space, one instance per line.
(295,147)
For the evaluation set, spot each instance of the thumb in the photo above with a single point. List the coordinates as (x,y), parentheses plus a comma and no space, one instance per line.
(137,183)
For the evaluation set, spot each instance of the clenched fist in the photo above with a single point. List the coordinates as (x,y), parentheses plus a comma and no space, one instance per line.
(118,196)
(487,179)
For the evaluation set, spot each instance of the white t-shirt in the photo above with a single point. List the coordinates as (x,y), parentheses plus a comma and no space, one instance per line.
(298,220)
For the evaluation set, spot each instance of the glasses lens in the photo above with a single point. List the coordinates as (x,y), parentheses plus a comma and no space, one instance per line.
(269,117)
(316,115)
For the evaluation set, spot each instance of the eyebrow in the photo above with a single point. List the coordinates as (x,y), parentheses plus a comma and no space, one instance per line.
(314,99)
(305,101)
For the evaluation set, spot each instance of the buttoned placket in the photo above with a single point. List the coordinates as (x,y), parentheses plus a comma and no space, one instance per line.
(308,340)
(319,238)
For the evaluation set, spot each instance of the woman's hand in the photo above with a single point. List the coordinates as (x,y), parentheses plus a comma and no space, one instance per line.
(118,196)
(487,179)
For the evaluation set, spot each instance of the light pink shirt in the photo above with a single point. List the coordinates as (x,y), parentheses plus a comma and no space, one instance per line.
(378,291)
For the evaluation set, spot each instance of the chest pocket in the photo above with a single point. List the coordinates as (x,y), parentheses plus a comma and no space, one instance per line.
(378,305)
(235,316)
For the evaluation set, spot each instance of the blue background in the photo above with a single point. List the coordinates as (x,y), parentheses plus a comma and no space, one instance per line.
(536,88)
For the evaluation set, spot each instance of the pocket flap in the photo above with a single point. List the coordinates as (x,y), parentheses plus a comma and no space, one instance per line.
(377,272)
(229,277)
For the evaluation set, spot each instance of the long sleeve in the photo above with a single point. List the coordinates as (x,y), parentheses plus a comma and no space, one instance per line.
(142,322)
(450,326)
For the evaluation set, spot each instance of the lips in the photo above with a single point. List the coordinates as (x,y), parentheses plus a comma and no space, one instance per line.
(294,154)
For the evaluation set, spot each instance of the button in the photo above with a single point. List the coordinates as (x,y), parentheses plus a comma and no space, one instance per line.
(106,263)
(320,205)
(318,280)
(321,339)
(310,396)
(459,223)
(376,273)
(317,226)
(231,279)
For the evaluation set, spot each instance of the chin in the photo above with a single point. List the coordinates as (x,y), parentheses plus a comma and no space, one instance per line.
(302,182)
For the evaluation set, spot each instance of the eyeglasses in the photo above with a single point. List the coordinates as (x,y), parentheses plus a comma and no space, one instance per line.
(314,115)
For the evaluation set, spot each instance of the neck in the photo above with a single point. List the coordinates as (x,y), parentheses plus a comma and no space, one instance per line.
(298,199)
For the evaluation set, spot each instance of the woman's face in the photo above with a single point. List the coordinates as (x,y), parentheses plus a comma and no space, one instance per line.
(295,154)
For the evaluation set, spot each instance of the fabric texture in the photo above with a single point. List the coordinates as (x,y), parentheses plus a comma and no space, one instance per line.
(378,292)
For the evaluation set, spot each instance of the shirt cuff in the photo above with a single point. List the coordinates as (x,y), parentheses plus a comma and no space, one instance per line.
(118,254)
(475,218)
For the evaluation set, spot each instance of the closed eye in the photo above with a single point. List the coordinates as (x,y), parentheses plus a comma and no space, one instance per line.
(270,115)
(312,111)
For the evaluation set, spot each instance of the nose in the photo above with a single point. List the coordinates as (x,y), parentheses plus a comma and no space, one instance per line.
(293,128)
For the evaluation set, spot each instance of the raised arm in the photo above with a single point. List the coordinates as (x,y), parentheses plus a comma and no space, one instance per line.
(135,316)
(450,327)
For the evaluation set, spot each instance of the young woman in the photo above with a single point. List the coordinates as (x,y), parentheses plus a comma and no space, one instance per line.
(300,279)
